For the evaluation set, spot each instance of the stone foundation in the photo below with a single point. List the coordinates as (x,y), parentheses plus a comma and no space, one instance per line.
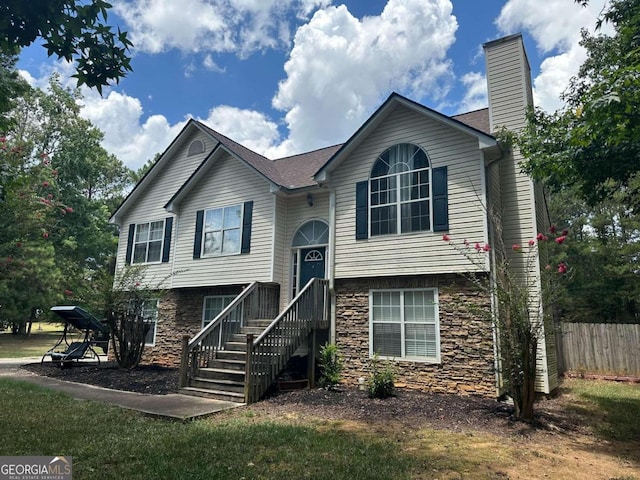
(466,337)
(179,314)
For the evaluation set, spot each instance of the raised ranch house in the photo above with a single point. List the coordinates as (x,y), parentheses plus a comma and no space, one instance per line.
(261,258)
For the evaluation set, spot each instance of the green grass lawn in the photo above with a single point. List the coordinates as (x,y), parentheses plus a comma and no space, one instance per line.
(613,408)
(35,345)
(111,443)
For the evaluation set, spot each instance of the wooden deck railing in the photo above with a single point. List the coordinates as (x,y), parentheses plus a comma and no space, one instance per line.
(257,301)
(271,350)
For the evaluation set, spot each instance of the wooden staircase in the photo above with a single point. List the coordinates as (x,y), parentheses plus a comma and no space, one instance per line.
(238,355)
(224,378)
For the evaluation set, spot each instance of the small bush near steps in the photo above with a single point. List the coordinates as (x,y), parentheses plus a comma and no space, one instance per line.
(381,382)
(330,366)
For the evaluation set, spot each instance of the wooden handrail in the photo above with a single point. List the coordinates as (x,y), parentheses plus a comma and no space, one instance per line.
(268,354)
(251,303)
(224,313)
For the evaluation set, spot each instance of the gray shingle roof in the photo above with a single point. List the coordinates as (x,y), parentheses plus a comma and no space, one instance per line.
(478,119)
(296,171)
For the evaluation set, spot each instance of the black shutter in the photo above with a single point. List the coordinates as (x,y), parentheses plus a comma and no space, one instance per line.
(132,231)
(246,227)
(362,210)
(197,240)
(168,224)
(440,199)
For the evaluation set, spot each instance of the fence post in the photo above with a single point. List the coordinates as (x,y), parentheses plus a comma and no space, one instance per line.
(248,396)
(184,361)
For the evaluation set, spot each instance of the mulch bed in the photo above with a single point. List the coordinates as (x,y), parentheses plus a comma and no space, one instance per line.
(151,379)
(408,409)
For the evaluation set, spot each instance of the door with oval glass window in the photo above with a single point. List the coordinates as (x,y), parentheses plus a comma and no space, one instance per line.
(309,254)
(312,264)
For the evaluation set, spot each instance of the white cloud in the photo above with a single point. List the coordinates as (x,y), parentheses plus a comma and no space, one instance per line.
(555,26)
(238,26)
(247,127)
(340,63)
(475,96)
(119,116)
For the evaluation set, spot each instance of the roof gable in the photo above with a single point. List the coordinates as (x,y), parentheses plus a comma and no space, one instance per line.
(382,113)
(153,172)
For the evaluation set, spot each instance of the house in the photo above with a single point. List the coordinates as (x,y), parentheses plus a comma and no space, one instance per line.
(262,257)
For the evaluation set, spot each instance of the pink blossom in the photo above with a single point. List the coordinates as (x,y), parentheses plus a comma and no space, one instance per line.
(515,247)
(539,237)
(3,139)
(548,267)
(137,284)
(446,237)
(532,243)
(562,267)
(552,229)
(45,234)
(478,247)
(68,293)
(69,209)
(50,195)
(560,240)
(45,184)
(565,232)
(486,247)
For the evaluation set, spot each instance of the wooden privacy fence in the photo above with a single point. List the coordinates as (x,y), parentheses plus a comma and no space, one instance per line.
(606,348)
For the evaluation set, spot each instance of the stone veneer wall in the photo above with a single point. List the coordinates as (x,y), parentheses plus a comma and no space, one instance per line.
(179,313)
(466,339)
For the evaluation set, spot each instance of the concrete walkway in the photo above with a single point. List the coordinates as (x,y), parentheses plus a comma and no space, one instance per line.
(175,406)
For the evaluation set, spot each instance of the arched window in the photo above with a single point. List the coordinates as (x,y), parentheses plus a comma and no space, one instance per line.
(399,192)
(314,232)
(195,148)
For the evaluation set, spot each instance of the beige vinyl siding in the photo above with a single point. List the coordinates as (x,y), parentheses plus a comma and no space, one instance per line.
(228,182)
(149,206)
(418,252)
(298,213)
(280,242)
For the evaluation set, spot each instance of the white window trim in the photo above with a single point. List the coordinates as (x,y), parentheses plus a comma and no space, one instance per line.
(133,248)
(204,304)
(204,232)
(397,204)
(434,360)
(154,321)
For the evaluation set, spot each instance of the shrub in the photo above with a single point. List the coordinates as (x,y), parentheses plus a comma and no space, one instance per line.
(330,365)
(382,378)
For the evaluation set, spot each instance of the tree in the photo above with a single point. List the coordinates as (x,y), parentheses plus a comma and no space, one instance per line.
(12,86)
(71,29)
(594,142)
(588,156)
(521,311)
(61,185)
(125,316)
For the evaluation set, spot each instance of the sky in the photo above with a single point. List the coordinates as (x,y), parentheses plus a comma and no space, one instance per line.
(289,76)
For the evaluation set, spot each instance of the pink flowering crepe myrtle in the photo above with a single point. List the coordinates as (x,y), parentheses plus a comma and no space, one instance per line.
(562,267)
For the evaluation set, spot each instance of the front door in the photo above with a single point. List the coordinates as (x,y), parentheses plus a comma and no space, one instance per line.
(312,264)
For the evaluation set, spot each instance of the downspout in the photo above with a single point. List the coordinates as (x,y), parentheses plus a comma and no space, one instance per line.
(332,262)
(492,279)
